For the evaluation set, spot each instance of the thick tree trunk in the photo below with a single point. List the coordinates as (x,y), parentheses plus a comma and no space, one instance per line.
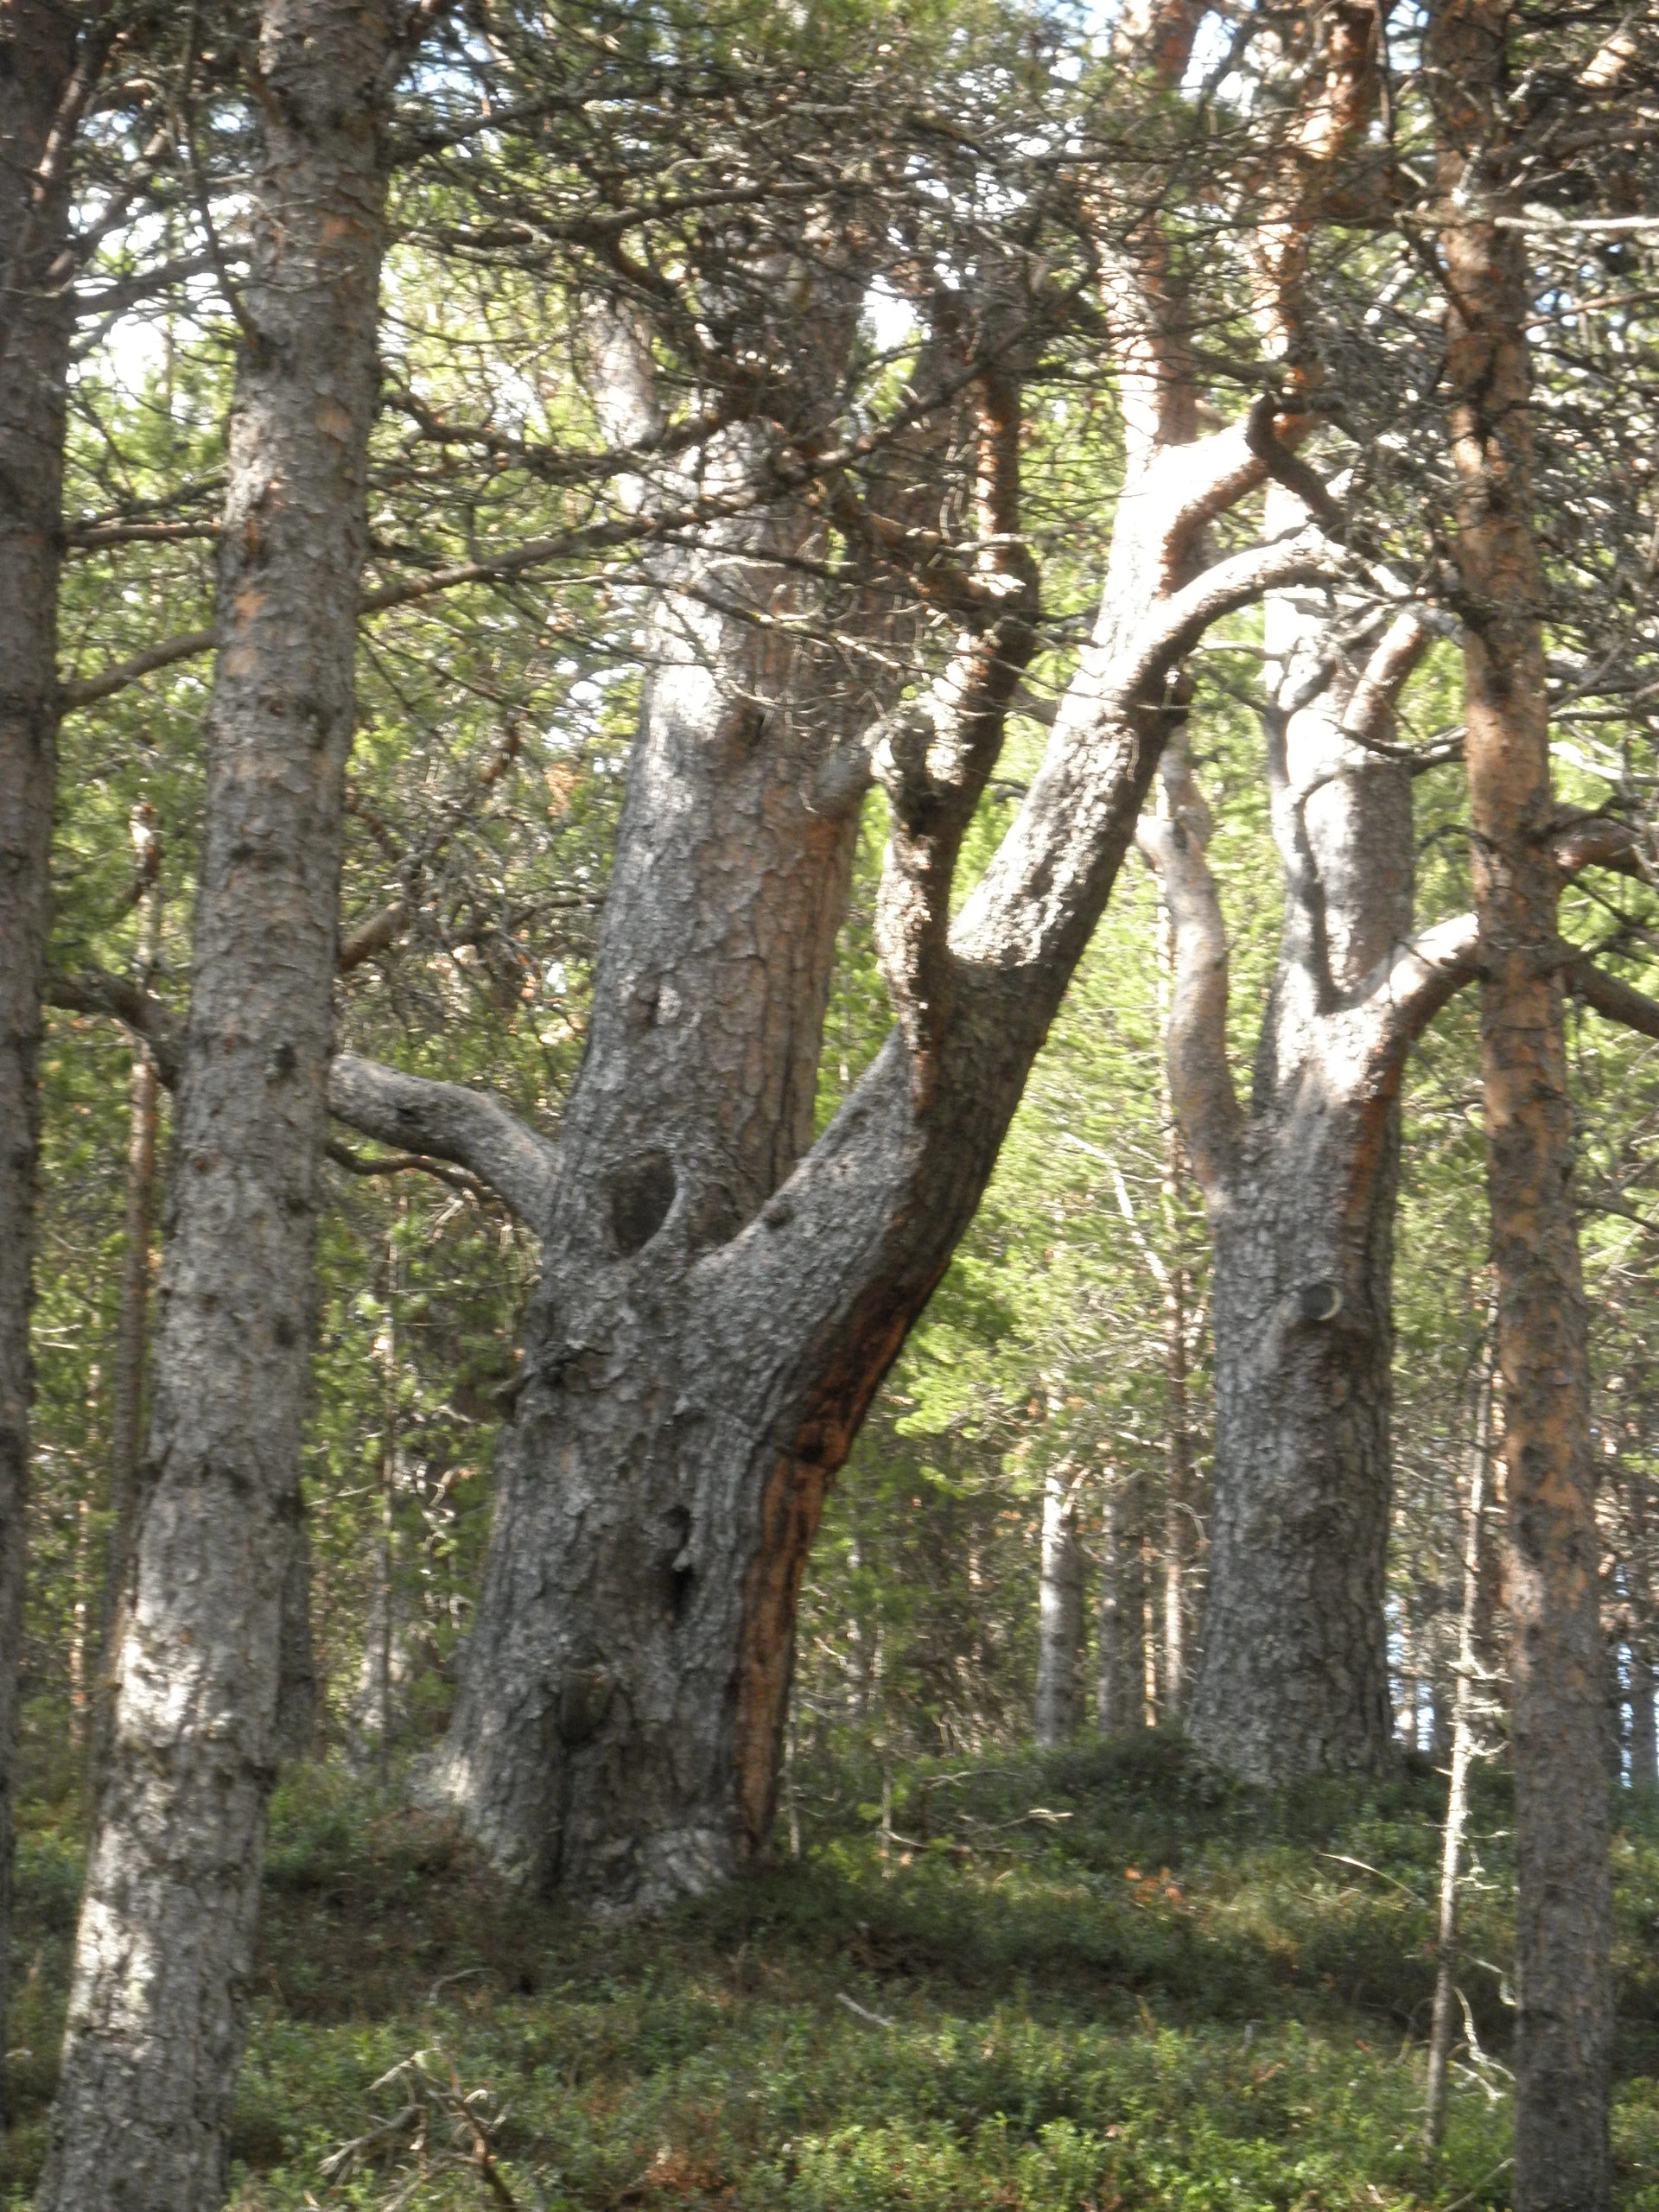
(1292,1675)
(37,60)
(1563,2029)
(167,1923)
(1059,1615)
(710,1326)
(716,1309)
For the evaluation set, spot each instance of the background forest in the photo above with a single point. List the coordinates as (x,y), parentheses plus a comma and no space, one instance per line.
(826,358)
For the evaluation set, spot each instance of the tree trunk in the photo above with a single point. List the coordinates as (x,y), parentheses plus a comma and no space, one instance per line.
(718,1304)
(1118,1690)
(1644,1735)
(1292,1675)
(707,1335)
(1178,1462)
(1465,1703)
(167,1923)
(1563,2028)
(37,63)
(132,1319)
(1059,1621)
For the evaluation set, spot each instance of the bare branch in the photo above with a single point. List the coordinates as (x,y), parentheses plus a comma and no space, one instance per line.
(92,990)
(444,1120)
(447,1121)
(1616,1001)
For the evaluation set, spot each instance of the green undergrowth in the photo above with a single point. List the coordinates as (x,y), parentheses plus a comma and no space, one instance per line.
(1096,1980)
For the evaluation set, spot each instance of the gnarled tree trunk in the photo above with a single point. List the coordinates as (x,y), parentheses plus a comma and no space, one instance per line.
(172,1888)
(713,1319)
(718,1304)
(1300,1192)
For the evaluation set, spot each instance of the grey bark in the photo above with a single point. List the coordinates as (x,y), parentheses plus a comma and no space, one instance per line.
(1117,1687)
(38,60)
(1299,1194)
(132,1322)
(1059,1615)
(167,1923)
(1466,1705)
(718,1302)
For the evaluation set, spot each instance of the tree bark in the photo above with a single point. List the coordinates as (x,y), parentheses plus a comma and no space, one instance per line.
(1059,1611)
(1563,2029)
(1644,1735)
(1293,1676)
(1300,1192)
(1178,1446)
(133,1320)
(167,1923)
(1118,1629)
(38,63)
(713,1318)
(1466,1704)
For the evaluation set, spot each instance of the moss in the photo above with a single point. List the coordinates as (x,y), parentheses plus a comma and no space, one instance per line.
(1112,1980)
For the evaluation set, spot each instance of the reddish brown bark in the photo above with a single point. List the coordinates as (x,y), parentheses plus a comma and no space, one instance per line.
(1562,1990)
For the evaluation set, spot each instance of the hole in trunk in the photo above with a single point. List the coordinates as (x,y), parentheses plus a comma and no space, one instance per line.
(680,1572)
(641,1194)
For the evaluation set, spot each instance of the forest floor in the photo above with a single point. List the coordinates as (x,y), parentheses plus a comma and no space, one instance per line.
(1098,1979)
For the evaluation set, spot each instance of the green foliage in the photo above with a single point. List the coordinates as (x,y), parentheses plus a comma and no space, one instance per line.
(1104,1979)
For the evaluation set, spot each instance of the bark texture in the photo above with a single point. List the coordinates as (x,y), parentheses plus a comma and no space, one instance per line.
(132,1322)
(1299,1191)
(1563,2026)
(1059,1616)
(1466,1703)
(167,1923)
(1118,1691)
(718,1302)
(38,55)
(1299,1194)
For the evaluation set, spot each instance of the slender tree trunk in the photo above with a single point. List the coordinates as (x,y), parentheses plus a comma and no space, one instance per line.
(1178,1466)
(1119,1690)
(1464,1706)
(1059,1614)
(1645,1737)
(166,1924)
(37,62)
(132,1319)
(1563,2034)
